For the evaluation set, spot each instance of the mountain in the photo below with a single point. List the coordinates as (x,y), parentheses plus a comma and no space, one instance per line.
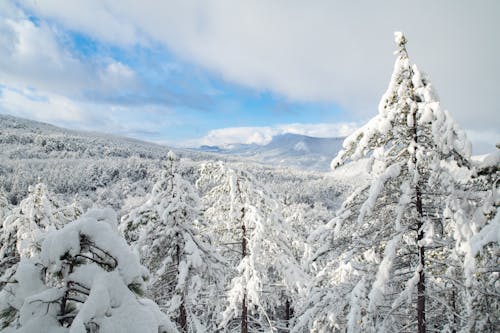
(286,150)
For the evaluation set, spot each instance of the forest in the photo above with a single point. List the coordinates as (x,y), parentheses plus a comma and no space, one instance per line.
(107,234)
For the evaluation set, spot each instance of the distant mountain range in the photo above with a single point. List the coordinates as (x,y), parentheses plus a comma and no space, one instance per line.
(286,150)
(20,138)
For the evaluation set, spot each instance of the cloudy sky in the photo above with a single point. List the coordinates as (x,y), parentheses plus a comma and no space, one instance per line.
(209,72)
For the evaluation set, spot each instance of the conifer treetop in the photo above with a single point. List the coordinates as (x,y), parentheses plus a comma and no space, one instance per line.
(400,40)
(409,91)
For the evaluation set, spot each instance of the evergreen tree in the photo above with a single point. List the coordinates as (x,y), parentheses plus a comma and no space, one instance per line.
(185,268)
(386,250)
(253,237)
(477,246)
(24,228)
(84,279)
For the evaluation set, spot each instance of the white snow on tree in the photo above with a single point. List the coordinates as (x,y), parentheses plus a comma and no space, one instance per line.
(477,245)
(84,279)
(4,211)
(24,228)
(385,253)
(253,237)
(4,205)
(302,218)
(186,270)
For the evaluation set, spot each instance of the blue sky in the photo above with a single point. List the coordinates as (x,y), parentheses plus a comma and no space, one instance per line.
(213,72)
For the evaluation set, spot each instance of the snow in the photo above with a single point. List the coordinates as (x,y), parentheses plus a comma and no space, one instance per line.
(375,189)
(489,234)
(354,173)
(115,309)
(487,160)
(354,317)
(399,38)
(383,274)
(301,146)
(341,247)
(97,267)
(103,236)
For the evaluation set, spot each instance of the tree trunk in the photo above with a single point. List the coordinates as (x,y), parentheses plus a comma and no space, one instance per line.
(244,316)
(64,300)
(421,279)
(420,236)
(182,319)
(454,307)
(288,312)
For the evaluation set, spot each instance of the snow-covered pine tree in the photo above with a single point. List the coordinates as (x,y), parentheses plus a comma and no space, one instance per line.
(477,245)
(85,279)
(251,234)
(386,251)
(186,270)
(24,228)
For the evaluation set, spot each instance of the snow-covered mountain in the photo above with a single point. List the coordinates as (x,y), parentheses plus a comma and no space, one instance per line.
(293,150)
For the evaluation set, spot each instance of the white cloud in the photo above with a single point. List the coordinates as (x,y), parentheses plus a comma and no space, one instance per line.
(325,130)
(263,135)
(247,135)
(141,122)
(323,50)
(31,56)
(108,20)
(43,107)
(116,76)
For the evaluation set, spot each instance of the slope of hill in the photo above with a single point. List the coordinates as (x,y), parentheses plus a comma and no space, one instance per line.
(23,138)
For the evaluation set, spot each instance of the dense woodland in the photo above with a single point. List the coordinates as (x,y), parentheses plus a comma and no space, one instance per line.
(105,234)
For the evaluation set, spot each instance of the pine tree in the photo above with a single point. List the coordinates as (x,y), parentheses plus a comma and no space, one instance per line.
(253,237)
(84,279)
(24,228)
(386,250)
(477,246)
(185,268)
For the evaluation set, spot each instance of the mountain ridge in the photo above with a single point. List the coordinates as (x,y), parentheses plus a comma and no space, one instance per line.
(287,149)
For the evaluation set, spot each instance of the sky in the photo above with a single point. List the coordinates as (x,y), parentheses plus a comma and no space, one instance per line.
(187,73)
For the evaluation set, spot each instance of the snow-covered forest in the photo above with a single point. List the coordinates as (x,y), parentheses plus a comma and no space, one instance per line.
(107,234)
